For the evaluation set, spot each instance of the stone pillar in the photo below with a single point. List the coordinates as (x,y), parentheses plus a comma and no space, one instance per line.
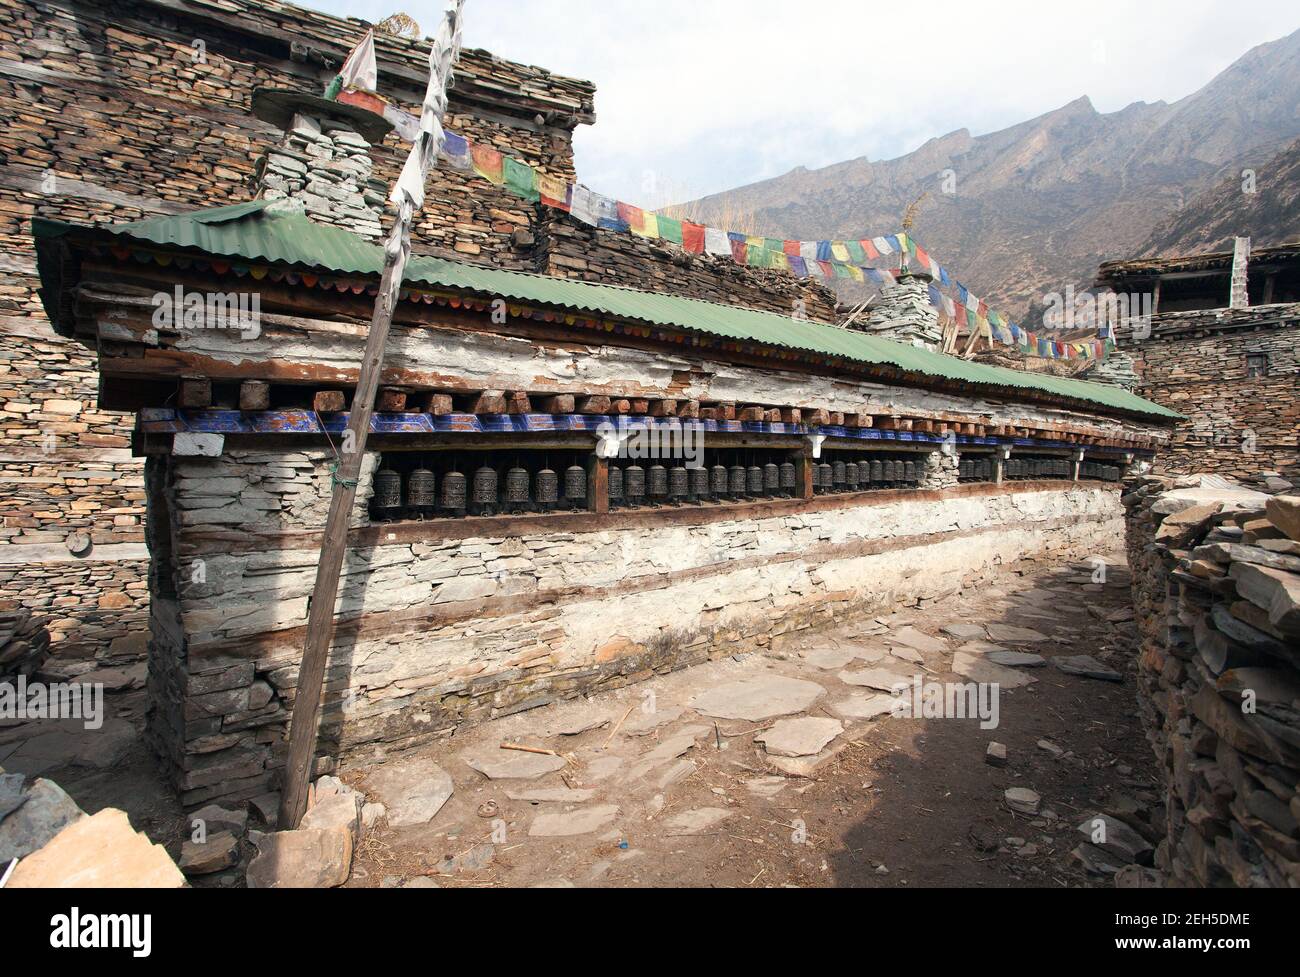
(903,313)
(325,164)
(1238,297)
(940,470)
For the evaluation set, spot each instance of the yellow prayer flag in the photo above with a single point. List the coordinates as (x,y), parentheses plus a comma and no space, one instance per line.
(840,253)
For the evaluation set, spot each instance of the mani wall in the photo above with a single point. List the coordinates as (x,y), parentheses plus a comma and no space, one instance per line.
(111,117)
(440,626)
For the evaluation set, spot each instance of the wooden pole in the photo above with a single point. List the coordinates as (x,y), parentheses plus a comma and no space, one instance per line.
(320,614)
(409,195)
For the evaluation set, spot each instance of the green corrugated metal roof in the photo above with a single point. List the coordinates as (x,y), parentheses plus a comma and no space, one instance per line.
(279,232)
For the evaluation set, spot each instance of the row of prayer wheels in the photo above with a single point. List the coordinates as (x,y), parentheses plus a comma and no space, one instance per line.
(416,494)
(632,485)
(854,476)
(1022,468)
(976,470)
(1096,470)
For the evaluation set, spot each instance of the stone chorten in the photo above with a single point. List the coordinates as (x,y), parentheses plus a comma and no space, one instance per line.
(323,160)
(904,314)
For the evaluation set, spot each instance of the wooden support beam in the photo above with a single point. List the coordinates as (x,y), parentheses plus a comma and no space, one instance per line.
(620,406)
(751,413)
(817,417)
(556,404)
(803,472)
(663,408)
(518,403)
(329,401)
(639,405)
(593,405)
(791,415)
(689,409)
(597,483)
(438,403)
(488,402)
(195,392)
(254,395)
(391,400)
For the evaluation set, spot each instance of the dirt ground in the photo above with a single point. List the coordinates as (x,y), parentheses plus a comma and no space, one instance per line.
(905,802)
(893,801)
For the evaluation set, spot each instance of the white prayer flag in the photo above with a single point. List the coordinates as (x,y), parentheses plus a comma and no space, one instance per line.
(716,241)
(359,71)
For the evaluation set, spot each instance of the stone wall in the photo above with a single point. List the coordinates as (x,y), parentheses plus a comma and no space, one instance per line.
(1195,363)
(435,629)
(1216,586)
(568,248)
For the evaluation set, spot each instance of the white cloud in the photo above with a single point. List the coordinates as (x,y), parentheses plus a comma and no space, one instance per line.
(712,94)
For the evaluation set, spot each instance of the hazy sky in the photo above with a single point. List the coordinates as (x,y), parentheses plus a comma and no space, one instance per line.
(696,96)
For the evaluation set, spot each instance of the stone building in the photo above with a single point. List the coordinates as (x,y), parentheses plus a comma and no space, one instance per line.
(1220,348)
(140,109)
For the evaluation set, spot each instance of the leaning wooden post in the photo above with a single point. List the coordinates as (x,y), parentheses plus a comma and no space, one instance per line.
(408,195)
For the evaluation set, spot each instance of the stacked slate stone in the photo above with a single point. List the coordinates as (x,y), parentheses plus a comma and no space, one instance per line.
(24,642)
(1216,578)
(905,315)
(1117,370)
(329,170)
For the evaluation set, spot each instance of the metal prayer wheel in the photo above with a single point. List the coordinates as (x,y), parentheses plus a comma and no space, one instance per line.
(816,476)
(771,479)
(877,473)
(909,472)
(483,494)
(387,498)
(453,492)
(838,474)
(546,488)
(890,469)
(420,494)
(826,475)
(851,475)
(517,488)
(754,480)
(963,470)
(575,486)
(736,480)
(634,484)
(679,483)
(718,481)
(788,478)
(657,481)
(699,481)
(615,483)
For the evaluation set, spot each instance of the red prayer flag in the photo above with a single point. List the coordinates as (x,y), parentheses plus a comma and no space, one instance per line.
(869,248)
(739,251)
(790,247)
(828,268)
(634,216)
(693,237)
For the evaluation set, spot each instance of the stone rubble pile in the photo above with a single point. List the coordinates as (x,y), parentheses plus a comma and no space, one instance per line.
(59,846)
(1216,586)
(24,642)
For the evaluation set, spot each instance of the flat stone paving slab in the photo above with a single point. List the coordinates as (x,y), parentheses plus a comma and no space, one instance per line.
(801,736)
(963,632)
(516,765)
(912,638)
(1017,659)
(693,822)
(1087,666)
(551,795)
(413,790)
(581,821)
(756,699)
(829,658)
(863,706)
(876,678)
(980,669)
(1013,634)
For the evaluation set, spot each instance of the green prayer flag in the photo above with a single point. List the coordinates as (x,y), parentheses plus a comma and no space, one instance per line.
(856,254)
(521,179)
(670,229)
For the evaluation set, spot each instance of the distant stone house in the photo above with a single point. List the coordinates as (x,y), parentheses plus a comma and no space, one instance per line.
(1221,349)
